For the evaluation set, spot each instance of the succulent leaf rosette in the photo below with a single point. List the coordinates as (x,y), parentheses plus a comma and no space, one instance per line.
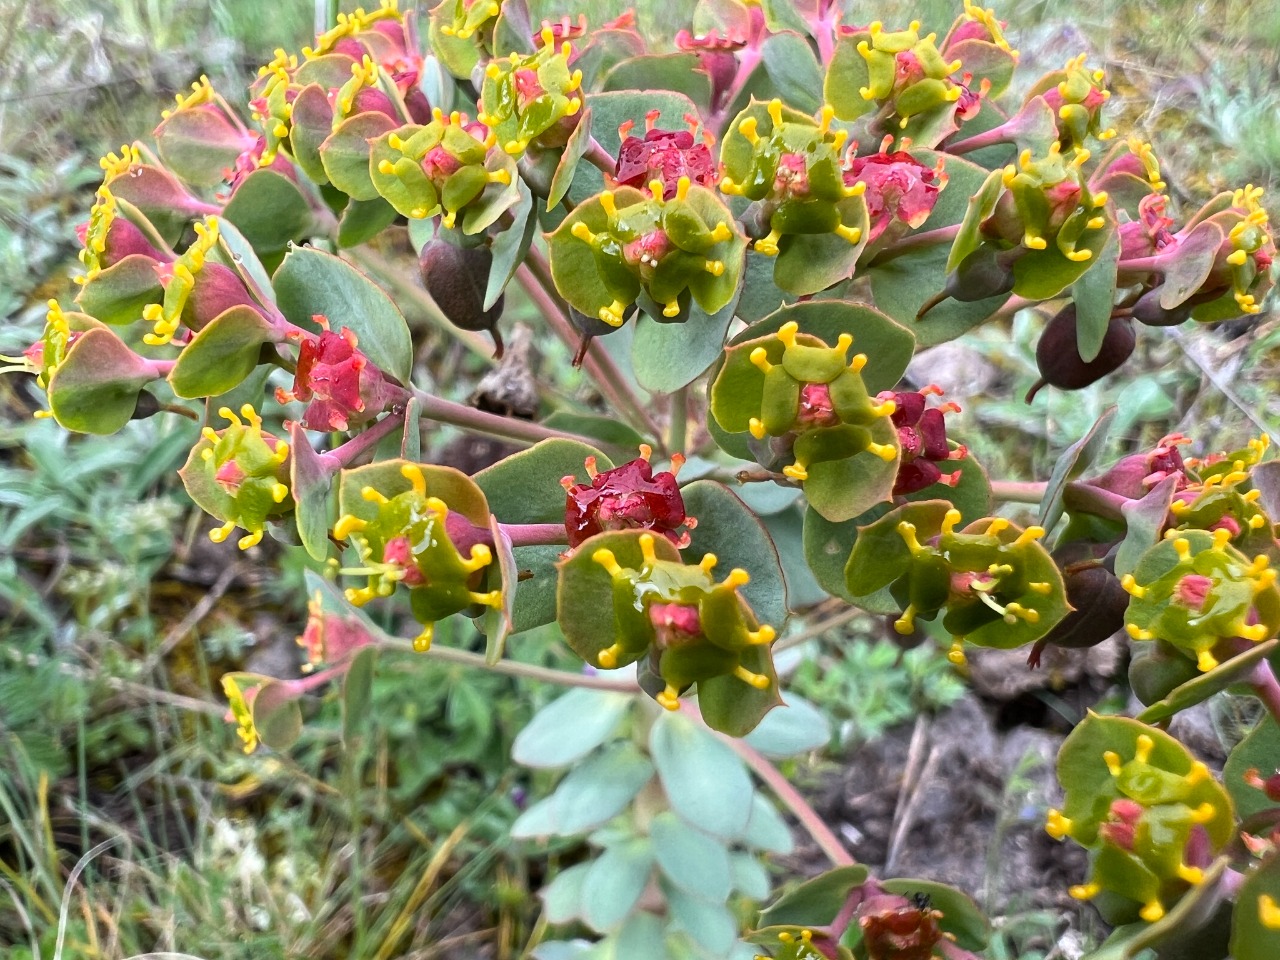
(1152,817)
(239,475)
(626,596)
(1198,593)
(792,169)
(994,584)
(623,243)
(422,527)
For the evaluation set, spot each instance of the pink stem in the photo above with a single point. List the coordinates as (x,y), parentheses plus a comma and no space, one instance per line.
(748,59)
(535,534)
(1018,491)
(477,421)
(363,443)
(916,241)
(1266,688)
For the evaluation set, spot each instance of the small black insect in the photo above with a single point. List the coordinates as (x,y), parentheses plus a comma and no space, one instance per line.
(922,900)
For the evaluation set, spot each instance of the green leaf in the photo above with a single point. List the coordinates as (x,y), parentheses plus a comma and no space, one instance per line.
(310,125)
(798,727)
(276,715)
(363,220)
(728,529)
(269,210)
(1095,295)
(794,71)
(668,356)
(510,246)
(1191,265)
(198,145)
(808,263)
(345,153)
(238,254)
(901,287)
(880,555)
(704,779)
(311,484)
(750,878)
(614,883)
(1073,462)
(677,72)
(573,150)
(1144,520)
(843,489)
(691,860)
(117,294)
(593,793)
(569,728)
(766,830)
(815,902)
(641,938)
(497,622)
(357,695)
(95,388)
(311,282)
(605,429)
(525,487)
(1260,751)
(452,486)
(536,596)
(846,75)
(710,925)
(222,353)
(562,898)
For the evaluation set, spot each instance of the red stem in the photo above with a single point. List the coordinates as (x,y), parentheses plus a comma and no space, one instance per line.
(349,452)
(535,534)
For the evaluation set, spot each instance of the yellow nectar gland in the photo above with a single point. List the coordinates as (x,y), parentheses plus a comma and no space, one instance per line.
(1057,826)
(1268,912)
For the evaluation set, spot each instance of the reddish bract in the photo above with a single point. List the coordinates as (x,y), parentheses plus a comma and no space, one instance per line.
(628,497)
(666,156)
(899,187)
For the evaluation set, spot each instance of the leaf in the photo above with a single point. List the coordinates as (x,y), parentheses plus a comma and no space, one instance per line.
(1073,462)
(496,623)
(452,486)
(574,148)
(311,484)
(704,779)
(1260,751)
(691,859)
(710,925)
(1043,274)
(510,246)
(1095,295)
(847,74)
(798,727)
(357,695)
(95,388)
(809,263)
(641,938)
(605,429)
(614,883)
(668,356)
(562,898)
(269,210)
(593,793)
(276,715)
(1144,520)
(766,830)
(237,253)
(222,353)
(363,220)
(843,489)
(815,902)
(199,145)
(677,72)
(728,529)
(1191,264)
(569,728)
(525,487)
(117,294)
(794,71)
(750,878)
(345,153)
(311,282)
(901,287)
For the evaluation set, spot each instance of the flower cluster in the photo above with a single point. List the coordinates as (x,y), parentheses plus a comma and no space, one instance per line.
(690,628)
(900,190)
(922,440)
(628,497)
(664,156)
(534,99)
(240,475)
(341,387)
(1152,817)
(412,538)
(1199,594)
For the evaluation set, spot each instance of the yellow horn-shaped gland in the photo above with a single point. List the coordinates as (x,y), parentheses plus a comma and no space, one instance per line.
(682,188)
(1183,547)
(721,233)
(755,425)
(481,557)
(728,186)
(884,451)
(608,657)
(609,204)
(1113,762)
(1152,912)
(604,556)
(956,653)
(1057,826)
(1138,633)
(226,413)
(907,531)
(1268,912)
(768,245)
(491,598)
(748,129)
(759,357)
(613,313)
(849,234)
(1143,747)
(1132,587)
(737,578)
(885,408)
(582,232)
(373,496)
(787,334)
(671,308)
(757,680)
(359,596)
(714,267)
(949,521)
(413,473)
(252,540)
(708,563)
(646,549)
(997,526)
(278,492)
(766,634)
(347,525)
(669,699)
(825,116)
(1084,891)
(1029,535)
(1192,875)
(219,534)
(796,472)
(437,506)
(906,624)
(1016,611)
(422,642)
(858,361)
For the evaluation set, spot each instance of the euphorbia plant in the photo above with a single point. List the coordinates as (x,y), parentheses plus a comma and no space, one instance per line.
(779,250)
